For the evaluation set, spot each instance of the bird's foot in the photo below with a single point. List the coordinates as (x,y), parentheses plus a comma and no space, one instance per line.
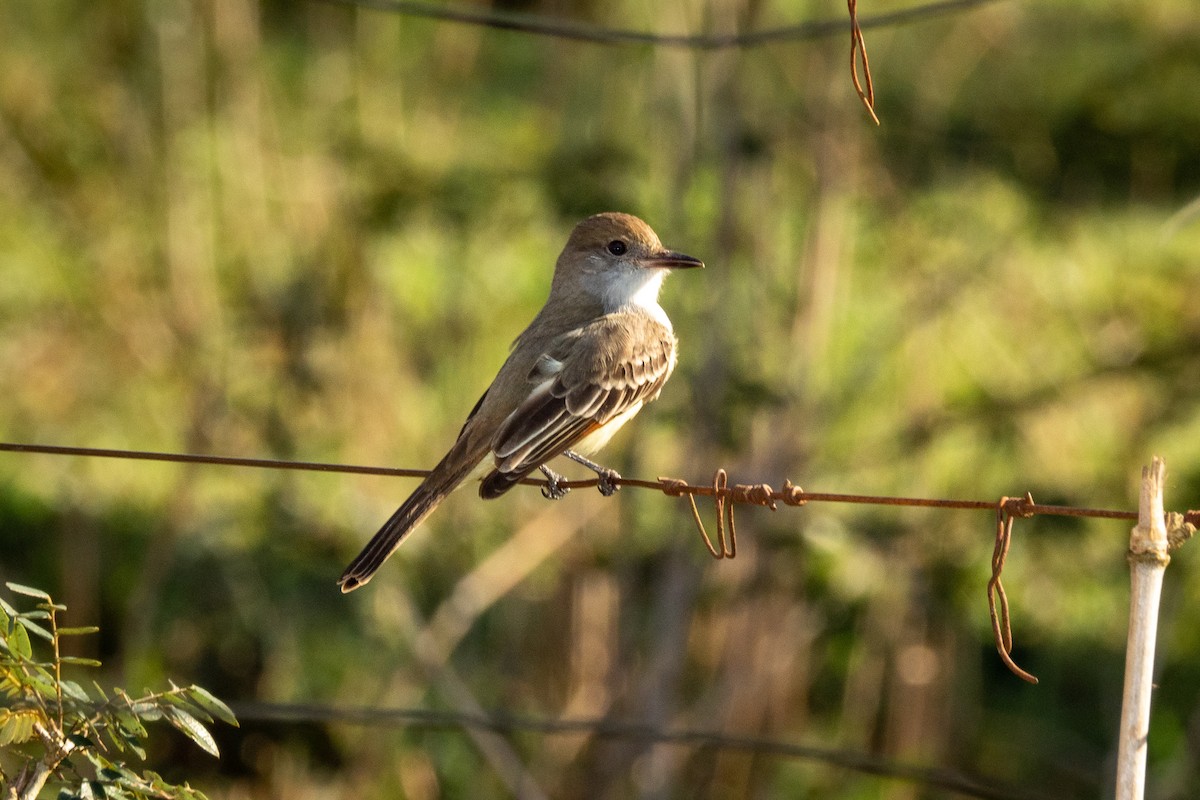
(607,481)
(553,490)
(607,478)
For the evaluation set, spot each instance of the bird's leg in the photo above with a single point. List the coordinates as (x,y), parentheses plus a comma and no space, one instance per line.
(606,475)
(553,490)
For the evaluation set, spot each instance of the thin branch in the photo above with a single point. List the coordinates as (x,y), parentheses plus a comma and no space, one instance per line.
(1148,559)
(29,784)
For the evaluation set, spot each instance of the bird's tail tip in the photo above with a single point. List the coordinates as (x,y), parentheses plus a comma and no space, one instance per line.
(349,582)
(410,513)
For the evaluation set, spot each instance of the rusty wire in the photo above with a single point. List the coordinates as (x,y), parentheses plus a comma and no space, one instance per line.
(1007,510)
(858,53)
(541,25)
(726,529)
(725,497)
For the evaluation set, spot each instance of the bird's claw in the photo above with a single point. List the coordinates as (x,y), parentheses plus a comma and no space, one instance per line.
(554,490)
(606,482)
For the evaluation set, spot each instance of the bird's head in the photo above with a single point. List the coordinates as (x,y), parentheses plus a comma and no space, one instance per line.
(618,259)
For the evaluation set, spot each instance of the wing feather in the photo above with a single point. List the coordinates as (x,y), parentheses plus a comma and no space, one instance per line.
(586,378)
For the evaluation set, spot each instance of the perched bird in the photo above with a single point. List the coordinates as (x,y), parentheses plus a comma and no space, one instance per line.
(600,349)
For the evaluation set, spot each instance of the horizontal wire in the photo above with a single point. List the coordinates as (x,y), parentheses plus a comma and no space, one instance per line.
(759,494)
(541,25)
(227,461)
(294,713)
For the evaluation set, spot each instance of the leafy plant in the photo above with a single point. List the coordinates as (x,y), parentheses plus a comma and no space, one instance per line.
(58,733)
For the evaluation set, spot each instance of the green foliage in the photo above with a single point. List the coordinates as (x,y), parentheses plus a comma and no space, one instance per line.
(311,230)
(55,733)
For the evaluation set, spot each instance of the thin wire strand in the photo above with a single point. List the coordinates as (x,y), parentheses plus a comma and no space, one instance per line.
(1007,510)
(858,53)
(725,498)
(609,728)
(756,494)
(540,25)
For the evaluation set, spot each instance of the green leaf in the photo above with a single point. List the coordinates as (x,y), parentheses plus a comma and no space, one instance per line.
(176,697)
(44,685)
(28,591)
(79,660)
(130,724)
(78,631)
(136,746)
(115,737)
(33,627)
(74,691)
(191,727)
(16,726)
(147,712)
(18,640)
(210,703)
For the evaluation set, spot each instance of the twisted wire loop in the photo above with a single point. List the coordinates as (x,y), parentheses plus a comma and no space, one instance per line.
(792,495)
(1181,527)
(858,51)
(1007,510)
(721,498)
(759,494)
(673,487)
(725,497)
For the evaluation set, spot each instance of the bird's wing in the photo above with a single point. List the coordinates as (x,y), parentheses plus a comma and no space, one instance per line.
(585,379)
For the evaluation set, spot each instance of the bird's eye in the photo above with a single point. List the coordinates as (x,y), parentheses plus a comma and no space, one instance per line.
(617,247)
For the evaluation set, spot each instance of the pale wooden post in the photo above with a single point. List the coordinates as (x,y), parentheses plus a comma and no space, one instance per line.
(1147,562)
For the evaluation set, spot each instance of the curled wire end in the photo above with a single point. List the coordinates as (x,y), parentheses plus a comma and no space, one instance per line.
(726,543)
(672,487)
(1023,507)
(858,51)
(792,494)
(1007,509)
(1180,528)
(760,494)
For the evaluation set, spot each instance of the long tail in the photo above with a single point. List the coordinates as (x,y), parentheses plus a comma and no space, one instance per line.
(444,479)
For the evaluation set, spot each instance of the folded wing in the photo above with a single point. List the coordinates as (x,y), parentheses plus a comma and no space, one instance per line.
(594,376)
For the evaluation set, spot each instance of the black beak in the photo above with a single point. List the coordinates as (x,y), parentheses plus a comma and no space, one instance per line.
(670,260)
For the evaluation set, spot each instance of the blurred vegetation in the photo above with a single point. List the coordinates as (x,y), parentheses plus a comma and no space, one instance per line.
(55,733)
(310,231)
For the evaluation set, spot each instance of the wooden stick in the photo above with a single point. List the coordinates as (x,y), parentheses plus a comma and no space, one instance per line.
(1148,561)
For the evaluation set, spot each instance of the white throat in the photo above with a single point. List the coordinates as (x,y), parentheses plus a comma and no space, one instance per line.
(638,288)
